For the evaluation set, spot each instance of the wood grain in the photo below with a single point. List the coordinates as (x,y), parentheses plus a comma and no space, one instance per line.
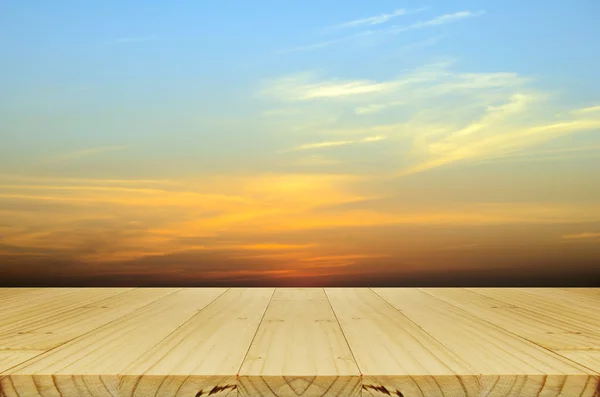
(204,355)
(299,350)
(9,293)
(12,358)
(548,332)
(299,342)
(587,358)
(548,304)
(589,292)
(394,355)
(88,366)
(78,316)
(18,306)
(522,367)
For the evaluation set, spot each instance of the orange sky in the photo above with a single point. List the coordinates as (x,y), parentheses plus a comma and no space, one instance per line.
(292,230)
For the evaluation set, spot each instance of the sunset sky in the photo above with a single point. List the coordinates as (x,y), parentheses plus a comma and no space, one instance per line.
(298,143)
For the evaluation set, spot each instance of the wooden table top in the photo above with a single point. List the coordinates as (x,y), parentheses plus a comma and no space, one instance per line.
(404,342)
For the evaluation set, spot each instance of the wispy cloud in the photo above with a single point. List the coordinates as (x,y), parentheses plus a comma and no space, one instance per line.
(394,30)
(581,236)
(591,109)
(545,155)
(301,87)
(443,117)
(441,20)
(320,145)
(376,108)
(378,19)
(81,154)
(306,86)
(500,131)
(15,178)
(314,160)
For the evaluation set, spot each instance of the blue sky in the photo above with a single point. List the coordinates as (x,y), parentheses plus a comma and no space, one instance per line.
(93,43)
(218,119)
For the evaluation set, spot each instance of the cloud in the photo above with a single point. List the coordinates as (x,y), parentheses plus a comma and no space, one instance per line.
(378,19)
(591,109)
(376,108)
(314,160)
(500,131)
(301,88)
(441,20)
(394,30)
(581,236)
(81,154)
(545,155)
(95,222)
(441,116)
(432,80)
(320,145)
(12,178)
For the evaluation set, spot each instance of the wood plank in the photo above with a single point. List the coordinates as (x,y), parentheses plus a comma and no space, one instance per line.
(89,365)
(587,305)
(9,293)
(204,355)
(44,332)
(12,358)
(587,358)
(57,306)
(394,355)
(510,365)
(299,350)
(547,305)
(550,333)
(310,341)
(593,293)
(43,297)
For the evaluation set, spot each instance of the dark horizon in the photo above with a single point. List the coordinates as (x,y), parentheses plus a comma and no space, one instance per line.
(487,278)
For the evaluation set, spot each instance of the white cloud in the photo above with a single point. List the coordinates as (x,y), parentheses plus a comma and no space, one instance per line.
(301,88)
(376,108)
(440,20)
(378,19)
(591,109)
(447,18)
(440,116)
(502,130)
(319,145)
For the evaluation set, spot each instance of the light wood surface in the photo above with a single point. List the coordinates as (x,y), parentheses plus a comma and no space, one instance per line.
(489,349)
(546,302)
(49,329)
(204,354)
(299,350)
(299,342)
(553,333)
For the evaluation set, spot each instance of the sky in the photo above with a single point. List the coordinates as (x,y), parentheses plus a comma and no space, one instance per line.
(305,143)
